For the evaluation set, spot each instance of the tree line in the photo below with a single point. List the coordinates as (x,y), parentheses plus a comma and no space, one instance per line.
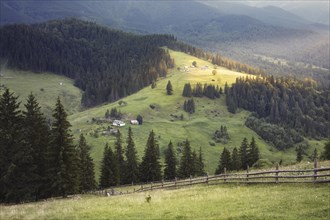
(199,90)
(122,166)
(287,103)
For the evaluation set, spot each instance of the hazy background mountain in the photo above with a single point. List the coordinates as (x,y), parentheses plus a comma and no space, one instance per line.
(267,34)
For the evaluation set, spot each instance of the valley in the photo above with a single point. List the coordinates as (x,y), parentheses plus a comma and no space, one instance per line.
(164,119)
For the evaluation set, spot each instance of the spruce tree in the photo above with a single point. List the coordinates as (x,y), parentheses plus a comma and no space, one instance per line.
(36,137)
(299,151)
(224,162)
(194,160)
(86,166)
(169,88)
(186,166)
(119,153)
(315,155)
(109,169)
(150,168)
(252,152)
(131,165)
(243,153)
(16,162)
(187,91)
(326,152)
(170,163)
(236,160)
(63,156)
(200,163)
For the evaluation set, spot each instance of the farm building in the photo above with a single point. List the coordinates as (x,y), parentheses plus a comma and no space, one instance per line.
(118,123)
(134,122)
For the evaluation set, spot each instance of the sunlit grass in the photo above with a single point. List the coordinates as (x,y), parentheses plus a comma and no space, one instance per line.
(198,202)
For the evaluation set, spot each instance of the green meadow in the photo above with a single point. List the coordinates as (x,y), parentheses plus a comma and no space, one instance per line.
(231,201)
(45,86)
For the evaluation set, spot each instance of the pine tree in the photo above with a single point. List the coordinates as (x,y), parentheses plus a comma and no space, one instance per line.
(315,155)
(170,163)
(86,166)
(109,169)
(243,153)
(16,162)
(326,152)
(187,91)
(150,168)
(119,154)
(64,162)
(186,166)
(194,160)
(131,165)
(252,152)
(299,151)
(224,162)
(236,160)
(200,163)
(169,88)
(36,137)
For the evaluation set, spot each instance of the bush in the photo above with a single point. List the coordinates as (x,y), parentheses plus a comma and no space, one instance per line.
(139,119)
(262,163)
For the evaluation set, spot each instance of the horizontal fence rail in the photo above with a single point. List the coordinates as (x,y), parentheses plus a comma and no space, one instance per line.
(316,175)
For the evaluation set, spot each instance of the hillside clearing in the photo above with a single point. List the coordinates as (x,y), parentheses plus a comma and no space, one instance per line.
(45,86)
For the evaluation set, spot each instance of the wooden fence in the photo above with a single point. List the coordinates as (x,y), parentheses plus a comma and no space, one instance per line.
(315,175)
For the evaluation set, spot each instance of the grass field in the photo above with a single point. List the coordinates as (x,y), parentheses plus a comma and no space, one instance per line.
(198,127)
(45,86)
(230,201)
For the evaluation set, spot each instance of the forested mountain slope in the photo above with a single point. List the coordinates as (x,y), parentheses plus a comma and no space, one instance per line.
(104,63)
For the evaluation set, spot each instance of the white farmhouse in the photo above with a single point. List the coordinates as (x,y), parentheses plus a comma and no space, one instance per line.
(118,123)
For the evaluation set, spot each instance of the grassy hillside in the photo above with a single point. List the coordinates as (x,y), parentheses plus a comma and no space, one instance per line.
(45,86)
(230,201)
(198,128)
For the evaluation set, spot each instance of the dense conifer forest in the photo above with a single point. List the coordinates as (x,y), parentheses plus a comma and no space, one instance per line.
(285,109)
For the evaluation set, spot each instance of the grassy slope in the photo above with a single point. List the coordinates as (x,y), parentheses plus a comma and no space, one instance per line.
(198,128)
(230,201)
(24,82)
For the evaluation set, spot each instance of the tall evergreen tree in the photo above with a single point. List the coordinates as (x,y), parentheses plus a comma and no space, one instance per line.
(200,163)
(169,88)
(109,169)
(86,166)
(16,162)
(150,168)
(187,91)
(119,153)
(36,137)
(236,160)
(252,152)
(326,152)
(131,165)
(299,151)
(170,163)
(243,153)
(64,162)
(224,162)
(186,167)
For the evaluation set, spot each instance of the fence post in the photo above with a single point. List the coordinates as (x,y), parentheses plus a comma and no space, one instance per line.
(207,178)
(276,173)
(175,181)
(315,171)
(247,173)
(113,191)
(190,180)
(162,183)
(151,185)
(141,187)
